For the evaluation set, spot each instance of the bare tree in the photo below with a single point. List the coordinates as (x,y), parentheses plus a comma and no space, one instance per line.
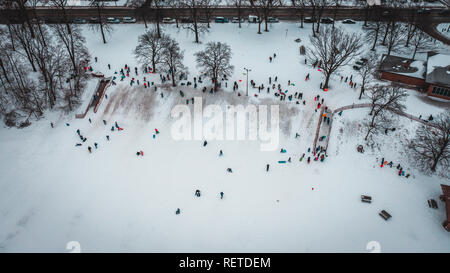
(421,41)
(366,72)
(151,48)
(172,59)
(215,61)
(430,147)
(334,48)
(142,7)
(299,7)
(101,25)
(72,40)
(320,6)
(383,99)
(257,8)
(194,7)
(209,7)
(395,37)
(372,34)
(238,4)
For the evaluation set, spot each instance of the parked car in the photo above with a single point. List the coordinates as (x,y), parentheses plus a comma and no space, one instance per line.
(113,20)
(364,60)
(79,21)
(253,19)
(236,20)
(94,20)
(423,11)
(349,21)
(129,20)
(273,20)
(326,20)
(309,20)
(221,20)
(35,21)
(168,20)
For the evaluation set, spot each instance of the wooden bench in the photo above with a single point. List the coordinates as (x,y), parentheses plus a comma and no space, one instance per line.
(365,198)
(432,204)
(385,215)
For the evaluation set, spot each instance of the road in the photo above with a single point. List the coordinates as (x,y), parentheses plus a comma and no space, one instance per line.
(426,22)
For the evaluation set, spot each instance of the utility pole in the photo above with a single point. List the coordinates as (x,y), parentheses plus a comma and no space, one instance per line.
(248,70)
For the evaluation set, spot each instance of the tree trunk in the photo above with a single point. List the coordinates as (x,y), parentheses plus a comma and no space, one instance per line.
(376,38)
(327,79)
(385,35)
(157,23)
(173,77)
(414,54)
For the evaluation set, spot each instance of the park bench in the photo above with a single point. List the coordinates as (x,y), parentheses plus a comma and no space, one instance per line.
(385,215)
(365,198)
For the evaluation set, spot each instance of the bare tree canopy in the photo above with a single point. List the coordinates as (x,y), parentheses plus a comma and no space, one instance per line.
(150,49)
(57,57)
(430,148)
(194,7)
(215,61)
(367,71)
(333,47)
(101,25)
(383,99)
(172,59)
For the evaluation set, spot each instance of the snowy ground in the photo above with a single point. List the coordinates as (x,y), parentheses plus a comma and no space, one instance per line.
(52,192)
(444,29)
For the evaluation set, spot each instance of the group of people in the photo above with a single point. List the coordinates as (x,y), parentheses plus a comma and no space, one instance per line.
(400,172)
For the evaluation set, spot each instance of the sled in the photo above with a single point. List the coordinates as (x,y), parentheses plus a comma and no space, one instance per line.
(366,199)
(282,161)
(432,204)
(385,215)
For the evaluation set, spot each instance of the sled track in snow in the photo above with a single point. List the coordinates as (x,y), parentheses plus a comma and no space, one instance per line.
(365,105)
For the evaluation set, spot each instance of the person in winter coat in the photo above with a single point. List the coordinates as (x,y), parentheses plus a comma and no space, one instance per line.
(309,159)
(51,124)
(95,144)
(220,153)
(221,195)
(197,193)
(89,149)
(229,170)
(107,137)
(205,143)
(104,122)
(267,167)
(178,211)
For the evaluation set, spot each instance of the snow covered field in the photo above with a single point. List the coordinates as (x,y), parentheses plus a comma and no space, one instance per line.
(52,192)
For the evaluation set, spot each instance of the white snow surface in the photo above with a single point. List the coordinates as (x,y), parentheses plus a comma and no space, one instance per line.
(52,192)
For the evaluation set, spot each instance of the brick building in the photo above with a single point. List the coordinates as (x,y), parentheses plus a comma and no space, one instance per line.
(431,76)
(438,75)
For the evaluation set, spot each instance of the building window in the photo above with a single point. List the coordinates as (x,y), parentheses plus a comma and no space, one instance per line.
(441,91)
